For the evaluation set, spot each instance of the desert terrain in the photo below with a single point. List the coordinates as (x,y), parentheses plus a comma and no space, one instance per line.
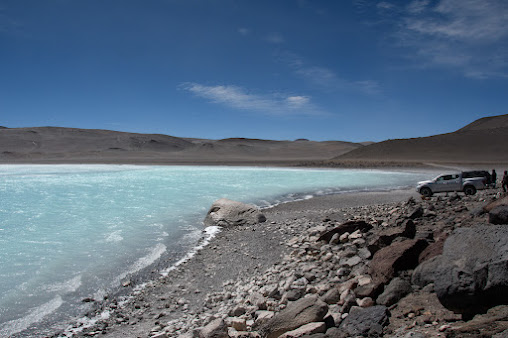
(482,142)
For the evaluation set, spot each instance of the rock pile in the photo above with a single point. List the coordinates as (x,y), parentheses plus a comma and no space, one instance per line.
(346,280)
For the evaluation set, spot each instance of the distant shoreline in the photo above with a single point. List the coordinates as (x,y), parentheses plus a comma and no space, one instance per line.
(263,162)
(387,165)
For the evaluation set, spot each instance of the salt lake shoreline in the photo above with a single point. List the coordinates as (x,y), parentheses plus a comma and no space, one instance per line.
(232,255)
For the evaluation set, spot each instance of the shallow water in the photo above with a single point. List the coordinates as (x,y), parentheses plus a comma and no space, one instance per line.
(73,231)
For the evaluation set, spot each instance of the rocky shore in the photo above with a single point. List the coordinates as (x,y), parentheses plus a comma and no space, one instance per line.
(369,265)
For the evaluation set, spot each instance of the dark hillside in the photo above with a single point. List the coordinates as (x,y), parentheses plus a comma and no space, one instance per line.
(484,140)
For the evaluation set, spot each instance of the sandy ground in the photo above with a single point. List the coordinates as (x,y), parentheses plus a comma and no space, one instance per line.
(234,253)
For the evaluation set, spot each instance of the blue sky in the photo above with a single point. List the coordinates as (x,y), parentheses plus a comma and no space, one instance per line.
(352,70)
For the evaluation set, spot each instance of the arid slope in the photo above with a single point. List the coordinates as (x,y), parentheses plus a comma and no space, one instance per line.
(483,141)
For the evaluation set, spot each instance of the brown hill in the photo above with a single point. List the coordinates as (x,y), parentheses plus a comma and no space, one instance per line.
(491,122)
(483,141)
(71,145)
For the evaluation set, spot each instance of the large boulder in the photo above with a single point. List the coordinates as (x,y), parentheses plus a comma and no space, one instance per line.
(433,250)
(472,274)
(394,291)
(496,203)
(424,273)
(365,322)
(215,329)
(349,226)
(499,215)
(388,235)
(225,212)
(303,311)
(399,256)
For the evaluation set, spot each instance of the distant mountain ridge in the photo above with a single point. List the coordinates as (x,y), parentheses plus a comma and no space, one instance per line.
(73,145)
(482,141)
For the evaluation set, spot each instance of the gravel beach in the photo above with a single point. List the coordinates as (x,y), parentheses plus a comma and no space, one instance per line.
(235,253)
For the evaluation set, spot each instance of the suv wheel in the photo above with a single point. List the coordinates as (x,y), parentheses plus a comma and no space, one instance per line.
(426,192)
(469,190)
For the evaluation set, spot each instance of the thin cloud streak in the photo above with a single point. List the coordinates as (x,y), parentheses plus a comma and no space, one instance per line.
(468,35)
(239,98)
(466,20)
(326,79)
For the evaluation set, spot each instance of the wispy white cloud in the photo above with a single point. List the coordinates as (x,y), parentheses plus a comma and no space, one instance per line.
(385,5)
(298,102)
(417,6)
(326,79)
(467,35)
(240,98)
(275,38)
(465,20)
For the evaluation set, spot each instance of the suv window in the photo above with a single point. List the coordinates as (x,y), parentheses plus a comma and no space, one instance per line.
(448,177)
(476,173)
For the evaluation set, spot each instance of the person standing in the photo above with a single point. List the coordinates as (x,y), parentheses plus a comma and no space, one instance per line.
(493,177)
(504,183)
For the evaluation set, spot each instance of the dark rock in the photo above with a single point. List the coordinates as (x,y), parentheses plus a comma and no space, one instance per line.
(476,212)
(303,311)
(315,335)
(409,229)
(424,273)
(329,321)
(454,197)
(496,203)
(394,291)
(394,258)
(237,311)
(368,290)
(367,322)
(415,213)
(226,212)
(294,294)
(349,226)
(492,324)
(387,236)
(433,250)
(499,215)
(332,332)
(472,274)
(332,296)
